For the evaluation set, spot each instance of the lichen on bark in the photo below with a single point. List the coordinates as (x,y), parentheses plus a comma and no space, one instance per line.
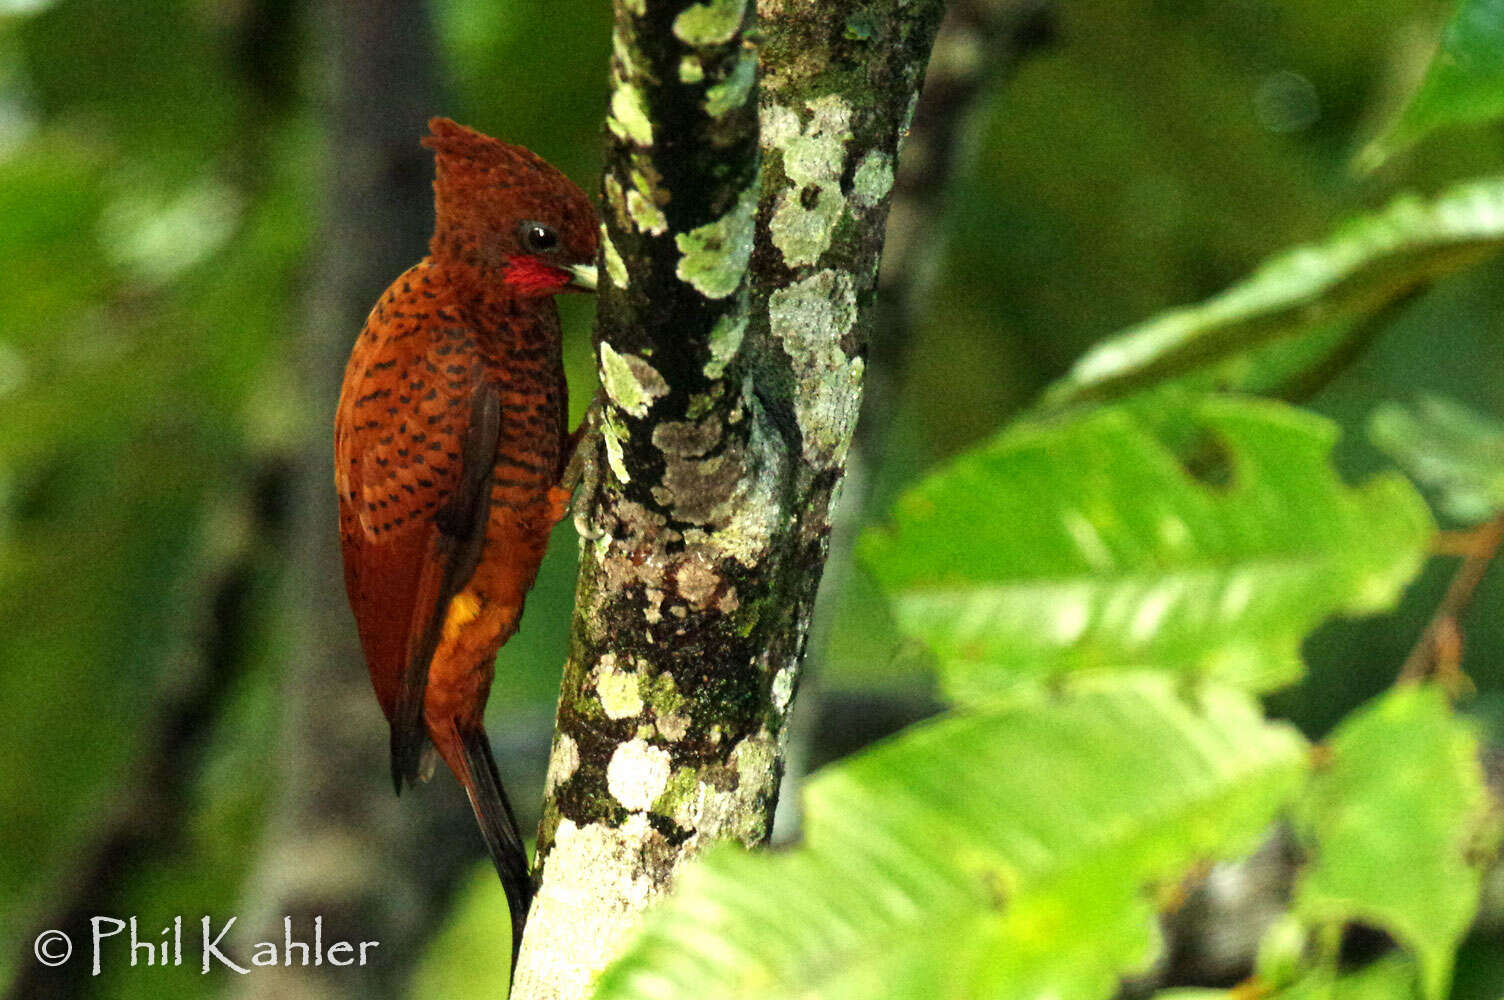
(732,326)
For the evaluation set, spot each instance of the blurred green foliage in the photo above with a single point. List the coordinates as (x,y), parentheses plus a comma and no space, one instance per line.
(157,189)
(1001,852)
(1093,545)
(1464,83)
(132,357)
(1456,452)
(1129,169)
(1395,815)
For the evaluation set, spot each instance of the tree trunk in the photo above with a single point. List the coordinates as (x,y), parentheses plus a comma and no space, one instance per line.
(744,218)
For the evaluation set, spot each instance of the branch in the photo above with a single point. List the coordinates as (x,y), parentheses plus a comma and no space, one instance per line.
(1439,649)
(733,324)
(980,44)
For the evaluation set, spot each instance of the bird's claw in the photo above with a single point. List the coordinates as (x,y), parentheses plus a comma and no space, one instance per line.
(582,475)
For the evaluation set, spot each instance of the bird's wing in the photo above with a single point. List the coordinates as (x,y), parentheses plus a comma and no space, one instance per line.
(415,445)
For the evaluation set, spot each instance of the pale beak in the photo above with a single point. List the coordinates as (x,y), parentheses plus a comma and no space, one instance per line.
(582,276)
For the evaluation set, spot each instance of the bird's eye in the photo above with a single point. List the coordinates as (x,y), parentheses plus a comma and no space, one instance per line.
(538,238)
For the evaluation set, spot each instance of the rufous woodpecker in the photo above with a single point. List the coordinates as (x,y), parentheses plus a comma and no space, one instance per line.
(450,447)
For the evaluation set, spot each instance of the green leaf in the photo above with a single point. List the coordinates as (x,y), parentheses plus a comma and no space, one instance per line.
(1009,852)
(1319,291)
(1088,544)
(1390,978)
(1464,85)
(1448,448)
(1394,822)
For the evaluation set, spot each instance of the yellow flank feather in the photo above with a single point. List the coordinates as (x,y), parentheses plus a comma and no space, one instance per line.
(464,607)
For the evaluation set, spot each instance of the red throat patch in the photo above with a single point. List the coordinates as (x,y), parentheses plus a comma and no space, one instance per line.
(531,276)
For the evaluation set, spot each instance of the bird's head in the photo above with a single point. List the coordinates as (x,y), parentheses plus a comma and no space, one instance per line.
(504,209)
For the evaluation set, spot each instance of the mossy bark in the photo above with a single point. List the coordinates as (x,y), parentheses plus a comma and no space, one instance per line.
(750,160)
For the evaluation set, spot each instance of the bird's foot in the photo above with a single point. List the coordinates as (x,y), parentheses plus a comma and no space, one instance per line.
(427,762)
(582,477)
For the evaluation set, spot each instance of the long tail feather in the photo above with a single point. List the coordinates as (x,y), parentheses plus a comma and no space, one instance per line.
(498,825)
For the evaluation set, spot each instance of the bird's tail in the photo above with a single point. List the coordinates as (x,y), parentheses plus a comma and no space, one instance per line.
(498,826)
